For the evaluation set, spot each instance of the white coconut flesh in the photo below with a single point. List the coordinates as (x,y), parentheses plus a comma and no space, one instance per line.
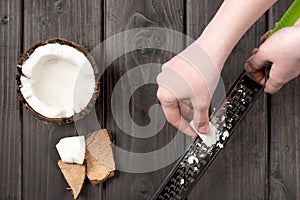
(210,137)
(72,149)
(58,81)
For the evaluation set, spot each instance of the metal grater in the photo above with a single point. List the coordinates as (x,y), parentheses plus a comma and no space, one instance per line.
(195,161)
(240,98)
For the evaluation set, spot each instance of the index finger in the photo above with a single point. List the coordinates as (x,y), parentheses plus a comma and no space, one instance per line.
(172,112)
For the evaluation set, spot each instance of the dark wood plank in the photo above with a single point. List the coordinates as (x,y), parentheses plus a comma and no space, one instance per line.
(239,172)
(10,116)
(285,138)
(78,21)
(121,16)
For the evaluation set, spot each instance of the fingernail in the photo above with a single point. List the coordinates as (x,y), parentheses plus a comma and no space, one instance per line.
(254,51)
(203,129)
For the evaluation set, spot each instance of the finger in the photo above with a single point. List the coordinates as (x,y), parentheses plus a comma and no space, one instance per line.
(259,76)
(256,61)
(186,111)
(272,86)
(202,122)
(275,82)
(201,119)
(265,36)
(187,102)
(173,116)
(171,109)
(254,51)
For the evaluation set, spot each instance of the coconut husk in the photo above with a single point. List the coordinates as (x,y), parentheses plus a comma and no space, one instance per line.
(74,175)
(99,157)
(76,116)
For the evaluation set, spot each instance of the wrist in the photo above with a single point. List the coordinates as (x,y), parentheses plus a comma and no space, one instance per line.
(229,24)
(214,51)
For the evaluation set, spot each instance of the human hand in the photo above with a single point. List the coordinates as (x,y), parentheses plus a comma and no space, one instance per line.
(282,49)
(186,85)
(188,96)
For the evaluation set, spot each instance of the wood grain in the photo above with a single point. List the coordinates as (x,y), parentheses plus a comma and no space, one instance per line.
(239,172)
(126,15)
(10,117)
(285,138)
(78,21)
(261,161)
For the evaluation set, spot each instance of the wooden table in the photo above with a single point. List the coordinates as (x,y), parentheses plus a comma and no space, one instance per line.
(262,161)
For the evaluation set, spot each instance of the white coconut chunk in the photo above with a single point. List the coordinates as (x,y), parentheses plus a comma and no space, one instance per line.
(210,137)
(182,181)
(192,160)
(225,135)
(221,146)
(58,81)
(72,149)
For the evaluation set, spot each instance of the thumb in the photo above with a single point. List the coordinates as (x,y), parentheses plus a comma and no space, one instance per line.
(201,119)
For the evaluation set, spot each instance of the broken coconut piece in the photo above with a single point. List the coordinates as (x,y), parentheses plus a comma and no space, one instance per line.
(72,149)
(99,157)
(74,175)
(56,80)
(210,137)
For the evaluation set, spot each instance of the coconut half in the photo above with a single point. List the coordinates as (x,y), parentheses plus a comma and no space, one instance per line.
(57,80)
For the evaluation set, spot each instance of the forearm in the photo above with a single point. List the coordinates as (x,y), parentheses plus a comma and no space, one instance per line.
(230,23)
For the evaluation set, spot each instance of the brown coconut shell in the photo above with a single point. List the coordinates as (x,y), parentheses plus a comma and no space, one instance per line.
(76,116)
(99,157)
(74,175)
